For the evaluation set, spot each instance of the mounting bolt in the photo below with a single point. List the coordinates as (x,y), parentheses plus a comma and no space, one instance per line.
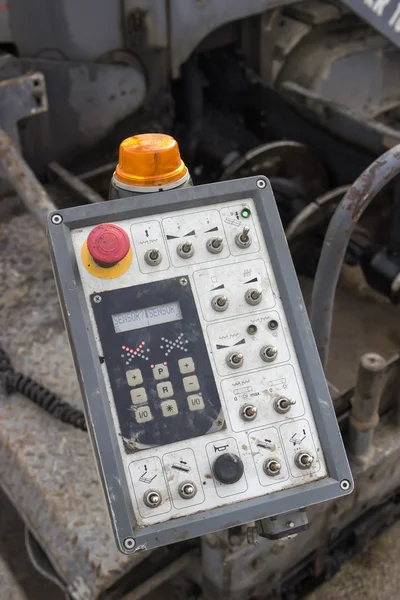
(56,219)
(345,485)
(269,353)
(220,303)
(215,245)
(153,257)
(303,460)
(261,184)
(253,296)
(152,498)
(129,543)
(243,240)
(282,405)
(185,250)
(187,490)
(183,281)
(248,412)
(97,299)
(234,360)
(272,467)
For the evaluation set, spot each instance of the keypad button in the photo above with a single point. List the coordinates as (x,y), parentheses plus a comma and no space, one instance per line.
(134,377)
(139,396)
(143,414)
(195,402)
(165,389)
(169,408)
(191,384)
(160,372)
(186,365)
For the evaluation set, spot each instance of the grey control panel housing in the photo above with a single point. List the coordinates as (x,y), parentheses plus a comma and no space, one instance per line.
(201,419)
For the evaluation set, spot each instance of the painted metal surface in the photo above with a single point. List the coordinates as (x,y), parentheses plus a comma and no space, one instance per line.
(191,22)
(383,15)
(21,97)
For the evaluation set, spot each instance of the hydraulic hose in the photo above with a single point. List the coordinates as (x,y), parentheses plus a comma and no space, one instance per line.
(337,237)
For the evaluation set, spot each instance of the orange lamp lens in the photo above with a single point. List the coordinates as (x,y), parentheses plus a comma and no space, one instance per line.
(149,159)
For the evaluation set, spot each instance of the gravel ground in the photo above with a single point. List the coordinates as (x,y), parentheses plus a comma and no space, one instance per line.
(373,575)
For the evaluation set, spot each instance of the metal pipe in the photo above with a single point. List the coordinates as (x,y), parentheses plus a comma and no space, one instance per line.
(364,415)
(341,226)
(79,186)
(16,171)
(155,581)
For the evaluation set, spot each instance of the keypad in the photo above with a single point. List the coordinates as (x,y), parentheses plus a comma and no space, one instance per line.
(143,414)
(195,402)
(191,384)
(134,377)
(165,389)
(186,365)
(160,372)
(169,408)
(139,396)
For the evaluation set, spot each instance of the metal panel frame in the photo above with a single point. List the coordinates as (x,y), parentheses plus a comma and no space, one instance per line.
(93,390)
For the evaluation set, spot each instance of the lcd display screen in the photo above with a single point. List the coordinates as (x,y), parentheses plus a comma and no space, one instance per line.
(147,317)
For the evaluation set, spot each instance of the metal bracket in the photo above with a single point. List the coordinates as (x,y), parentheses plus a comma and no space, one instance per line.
(21,97)
(276,528)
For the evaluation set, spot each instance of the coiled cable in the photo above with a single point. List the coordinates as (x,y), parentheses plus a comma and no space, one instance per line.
(13,381)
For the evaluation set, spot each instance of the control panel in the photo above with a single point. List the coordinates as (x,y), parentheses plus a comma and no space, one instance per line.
(205,397)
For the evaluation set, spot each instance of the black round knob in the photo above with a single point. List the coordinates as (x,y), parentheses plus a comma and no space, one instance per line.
(228,468)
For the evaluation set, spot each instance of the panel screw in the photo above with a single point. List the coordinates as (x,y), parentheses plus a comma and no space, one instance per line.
(56,219)
(152,498)
(261,184)
(129,543)
(345,485)
(187,490)
(97,299)
(248,412)
(183,281)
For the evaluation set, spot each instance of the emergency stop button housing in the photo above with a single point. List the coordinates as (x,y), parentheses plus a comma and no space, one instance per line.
(108,244)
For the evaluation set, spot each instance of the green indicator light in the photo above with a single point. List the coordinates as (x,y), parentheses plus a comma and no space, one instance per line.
(245,213)
(252,329)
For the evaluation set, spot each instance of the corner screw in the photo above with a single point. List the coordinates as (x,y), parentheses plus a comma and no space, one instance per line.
(56,219)
(129,543)
(261,184)
(183,281)
(97,299)
(345,485)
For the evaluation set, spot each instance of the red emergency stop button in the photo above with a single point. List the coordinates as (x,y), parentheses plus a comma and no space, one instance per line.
(108,244)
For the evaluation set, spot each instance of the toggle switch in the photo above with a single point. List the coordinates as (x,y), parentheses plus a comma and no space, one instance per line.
(243,240)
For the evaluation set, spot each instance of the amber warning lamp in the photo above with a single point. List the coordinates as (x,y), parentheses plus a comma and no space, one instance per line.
(150,162)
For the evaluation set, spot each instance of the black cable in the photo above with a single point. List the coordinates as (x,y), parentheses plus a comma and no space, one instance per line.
(43,397)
